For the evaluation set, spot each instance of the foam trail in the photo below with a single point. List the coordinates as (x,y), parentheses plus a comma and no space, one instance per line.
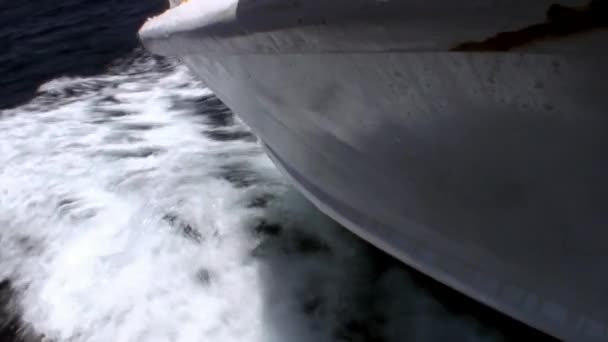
(135,207)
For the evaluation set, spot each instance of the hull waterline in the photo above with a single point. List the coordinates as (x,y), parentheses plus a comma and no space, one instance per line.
(477,157)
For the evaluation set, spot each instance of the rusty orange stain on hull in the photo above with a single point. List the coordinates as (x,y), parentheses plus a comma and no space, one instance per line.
(561,21)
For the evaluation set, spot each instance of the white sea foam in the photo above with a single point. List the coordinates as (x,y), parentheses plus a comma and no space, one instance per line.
(123,219)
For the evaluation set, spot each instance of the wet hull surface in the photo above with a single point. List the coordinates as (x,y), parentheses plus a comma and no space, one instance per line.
(483,169)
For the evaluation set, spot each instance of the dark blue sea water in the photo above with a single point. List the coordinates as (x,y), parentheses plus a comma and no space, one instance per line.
(135,207)
(46,39)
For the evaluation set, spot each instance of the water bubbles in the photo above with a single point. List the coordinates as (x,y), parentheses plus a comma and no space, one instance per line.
(135,207)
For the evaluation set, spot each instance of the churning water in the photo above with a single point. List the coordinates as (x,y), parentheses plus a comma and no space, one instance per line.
(135,207)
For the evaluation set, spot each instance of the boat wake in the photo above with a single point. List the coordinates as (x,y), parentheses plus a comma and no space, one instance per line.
(135,207)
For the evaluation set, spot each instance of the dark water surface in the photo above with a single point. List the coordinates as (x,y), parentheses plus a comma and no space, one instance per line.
(45,39)
(135,207)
